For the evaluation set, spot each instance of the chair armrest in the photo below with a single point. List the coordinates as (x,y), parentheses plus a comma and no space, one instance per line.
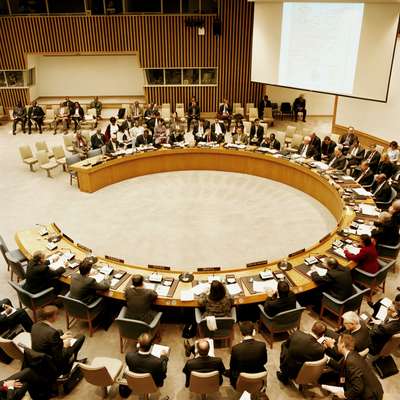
(234,314)
(331,298)
(369,274)
(156,320)
(386,246)
(122,313)
(262,311)
(95,303)
(42,293)
(197,314)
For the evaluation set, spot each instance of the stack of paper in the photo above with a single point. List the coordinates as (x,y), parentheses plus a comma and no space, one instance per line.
(149,285)
(162,290)
(339,252)
(106,269)
(352,249)
(201,288)
(364,229)
(368,209)
(320,165)
(187,295)
(320,271)
(362,192)
(233,289)
(98,277)
(263,286)
(158,349)
(347,178)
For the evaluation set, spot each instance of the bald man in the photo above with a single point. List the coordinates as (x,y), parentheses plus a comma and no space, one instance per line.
(203,362)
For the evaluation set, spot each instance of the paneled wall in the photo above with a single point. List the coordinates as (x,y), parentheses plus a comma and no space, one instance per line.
(161,41)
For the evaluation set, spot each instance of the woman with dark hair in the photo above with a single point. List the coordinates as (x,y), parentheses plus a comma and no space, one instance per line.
(367,258)
(217,303)
(394,152)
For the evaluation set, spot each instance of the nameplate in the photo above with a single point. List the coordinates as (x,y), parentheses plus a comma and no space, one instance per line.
(325,237)
(296,253)
(84,248)
(159,267)
(208,269)
(56,226)
(67,237)
(119,260)
(256,263)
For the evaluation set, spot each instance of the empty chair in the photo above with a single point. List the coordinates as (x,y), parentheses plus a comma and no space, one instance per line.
(387,251)
(16,267)
(59,156)
(165,114)
(70,161)
(14,254)
(253,113)
(204,383)
(390,346)
(12,348)
(296,141)
(247,108)
(141,384)
(290,131)
(268,117)
(103,372)
(251,383)
(179,105)
(45,163)
(281,137)
(240,110)
(27,156)
(49,118)
(247,127)
(335,137)
(235,107)
(310,372)
(68,142)
(42,146)
(286,110)
(94,153)
(180,112)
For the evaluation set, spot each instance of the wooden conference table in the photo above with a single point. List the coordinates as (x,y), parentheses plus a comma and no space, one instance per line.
(328,189)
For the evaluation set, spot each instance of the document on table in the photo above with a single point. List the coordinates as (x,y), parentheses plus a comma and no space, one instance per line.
(114,282)
(347,178)
(339,252)
(382,313)
(98,277)
(320,271)
(336,390)
(263,286)
(368,209)
(149,285)
(233,289)
(187,295)
(352,249)
(158,349)
(106,269)
(201,288)
(362,192)
(162,290)
(214,278)
(364,229)
(320,165)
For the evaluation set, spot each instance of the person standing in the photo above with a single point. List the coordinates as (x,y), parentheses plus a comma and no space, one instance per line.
(19,116)
(299,105)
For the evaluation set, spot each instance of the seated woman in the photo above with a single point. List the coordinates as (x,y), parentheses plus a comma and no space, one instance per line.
(217,303)
(280,301)
(367,258)
(39,276)
(394,152)
(62,117)
(386,231)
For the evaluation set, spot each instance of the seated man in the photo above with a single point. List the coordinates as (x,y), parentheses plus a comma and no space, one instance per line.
(249,356)
(356,153)
(203,362)
(209,136)
(363,175)
(282,300)
(144,139)
(19,116)
(338,160)
(218,130)
(373,156)
(380,189)
(62,348)
(306,149)
(11,317)
(256,133)
(143,362)
(35,115)
(327,148)
(98,140)
(140,300)
(193,113)
(347,139)
(136,111)
(299,348)
(316,143)
(200,128)
(299,105)
(381,332)
(63,117)
(337,281)
(240,137)
(385,232)
(225,112)
(271,142)
(98,105)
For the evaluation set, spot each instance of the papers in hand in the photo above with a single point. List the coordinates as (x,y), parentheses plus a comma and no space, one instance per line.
(149,285)
(233,289)
(158,350)
(162,290)
(352,249)
(8,313)
(201,288)
(336,390)
(98,277)
(368,209)
(187,295)
(362,192)
(320,165)
(320,271)
(263,286)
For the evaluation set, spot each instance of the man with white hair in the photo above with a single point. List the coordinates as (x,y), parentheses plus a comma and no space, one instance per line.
(338,160)
(381,189)
(386,231)
(394,209)
(306,149)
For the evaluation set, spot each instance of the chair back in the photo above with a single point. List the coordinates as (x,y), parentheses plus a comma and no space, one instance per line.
(296,140)
(41,146)
(251,383)
(3,248)
(290,130)
(311,371)
(75,158)
(224,327)
(281,136)
(383,271)
(379,148)
(180,112)
(58,152)
(253,113)
(354,302)
(32,300)
(92,112)
(247,127)
(98,376)
(141,384)
(179,105)
(265,126)
(42,157)
(86,135)
(286,108)
(16,267)
(74,307)
(268,112)
(204,382)
(11,349)
(10,113)
(25,152)
(94,153)
(68,140)
(247,107)
(283,321)
(165,114)
(240,110)
(390,346)
(50,114)
(235,107)
(131,328)
(335,137)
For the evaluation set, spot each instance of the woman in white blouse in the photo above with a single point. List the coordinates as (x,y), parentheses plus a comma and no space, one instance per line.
(393,152)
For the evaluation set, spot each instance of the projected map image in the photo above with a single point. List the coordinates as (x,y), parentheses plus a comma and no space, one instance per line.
(319,45)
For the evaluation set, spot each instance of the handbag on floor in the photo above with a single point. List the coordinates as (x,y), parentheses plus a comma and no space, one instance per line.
(385,367)
(189,330)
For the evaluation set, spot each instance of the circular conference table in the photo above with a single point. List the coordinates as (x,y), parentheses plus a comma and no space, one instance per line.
(102,171)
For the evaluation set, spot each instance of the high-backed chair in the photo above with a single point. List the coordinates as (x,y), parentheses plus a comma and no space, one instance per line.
(384,205)
(247,107)
(103,372)
(141,384)
(339,307)
(375,281)
(310,372)
(290,131)
(165,114)
(240,110)
(49,118)
(68,142)
(45,163)
(281,137)
(390,252)
(295,143)
(390,346)
(251,383)
(224,330)
(286,110)
(247,127)
(235,106)
(76,310)
(14,254)
(335,137)
(204,383)
(268,117)
(42,146)
(16,267)
(27,156)
(59,156)
(131,329)
(75,158)
(12,348)
(285,321)
(34,301)
(253,113)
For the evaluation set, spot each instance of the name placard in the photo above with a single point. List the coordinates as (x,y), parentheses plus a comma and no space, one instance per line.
(256,263)
(208,269)
(296,253)
(159,267)
(119,260)
(84,248)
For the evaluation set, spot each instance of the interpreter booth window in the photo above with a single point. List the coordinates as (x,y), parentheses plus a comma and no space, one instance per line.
(171,6)
(143,6)
(209,6)
(113,7)
(28,6)
(155,76)
(96,7)
(3,82)
(190,6)
(4,8)
(173,77)
(208,76)
(190,76)
(14,78)
(66,6)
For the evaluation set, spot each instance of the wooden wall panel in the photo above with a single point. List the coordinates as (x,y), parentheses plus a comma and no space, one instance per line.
(10,97)
(161,41)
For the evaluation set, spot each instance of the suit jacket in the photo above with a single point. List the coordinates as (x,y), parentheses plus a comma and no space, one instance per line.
(386,168)
(351,137)
(358,156)
(316,142)
(299,103)
(338,281)
(244,139)
(97,142)
(383,194)
(210,137)
(373,157)
(203,364)
(259,134)
(338,162)
(360,381)
(80,112)
(141,140)
(35,112)
(387,234)
(139,303)
(276,305)
(250,356)
(206,125)
(311,151)
(84,288)
(263,104)
(194,111)
(221,109)
(380,334)
(366,259)
(147,363)
(328,149)
(362,339)
(222,126)
(40,277)
(299,348)
(363,178)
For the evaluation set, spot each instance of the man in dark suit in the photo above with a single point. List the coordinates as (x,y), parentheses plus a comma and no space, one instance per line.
(98,140)
(218,130)
(144,139)
(35,115)
(306,149)
(256,133)
(299,105)
(19,115)
(140,300)
(271,142)
(264,102)
(356,153)
(143,362)
(386,231)
(394,210)
(327,148)
(203,362)
(300,348)
(14,387)
(338,160)
(199,129)
(225,112)
(373,157)
(354,374)
(249,356)
(193,112)
(283,300)
(337,281)
(363,175)
(62,348)
(316,143)
(347,139)
(381,189)
(10,319)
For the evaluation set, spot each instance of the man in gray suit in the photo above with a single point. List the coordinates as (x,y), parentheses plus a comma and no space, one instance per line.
(139,300)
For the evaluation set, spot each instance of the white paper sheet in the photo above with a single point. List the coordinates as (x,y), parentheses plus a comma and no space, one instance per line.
(368,209)
(201,288)
(320,271)
(157,349)
(320,165)
(187,295)
(162,290)
(336,390)
(263,286)
(386,302)
(352,249)
(233,289)
(362,192)
(382,313)
(149,285)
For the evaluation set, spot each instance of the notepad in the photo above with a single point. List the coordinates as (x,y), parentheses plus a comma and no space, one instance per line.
(364,229)
(320,165)
(157,350)
(339,252)
(362,192)
(201,288)
(263,286)
(162,290)
(187,295)
(233,289)
(382,313)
